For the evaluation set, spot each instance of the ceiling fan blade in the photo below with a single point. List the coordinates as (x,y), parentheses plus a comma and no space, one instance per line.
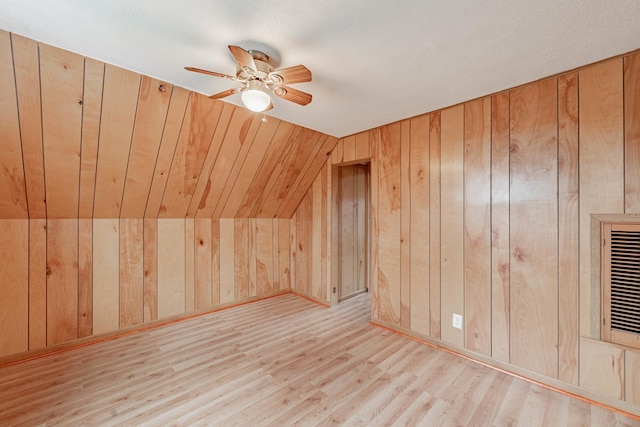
(293,95)
(295,74)
(225,93)
(244,59)
(210,73)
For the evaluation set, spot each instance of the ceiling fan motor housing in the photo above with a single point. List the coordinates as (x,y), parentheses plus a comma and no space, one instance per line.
(263,68)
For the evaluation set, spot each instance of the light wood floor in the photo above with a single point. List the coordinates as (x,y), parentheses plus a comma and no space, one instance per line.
(282,361)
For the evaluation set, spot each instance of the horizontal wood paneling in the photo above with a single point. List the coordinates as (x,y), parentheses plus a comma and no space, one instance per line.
(89,140)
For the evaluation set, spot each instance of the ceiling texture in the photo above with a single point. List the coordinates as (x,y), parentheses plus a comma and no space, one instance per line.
(373,61)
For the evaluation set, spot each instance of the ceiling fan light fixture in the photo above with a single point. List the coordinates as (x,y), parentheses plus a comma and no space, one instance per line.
(255,99)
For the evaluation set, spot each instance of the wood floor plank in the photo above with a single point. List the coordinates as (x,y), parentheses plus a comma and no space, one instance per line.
(279,361)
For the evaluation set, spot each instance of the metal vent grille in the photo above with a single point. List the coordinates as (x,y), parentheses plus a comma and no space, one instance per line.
(625,281)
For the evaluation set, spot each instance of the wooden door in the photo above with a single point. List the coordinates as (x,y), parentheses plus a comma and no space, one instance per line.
(353,235)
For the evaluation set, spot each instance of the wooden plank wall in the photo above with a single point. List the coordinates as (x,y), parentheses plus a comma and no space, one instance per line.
(77,278)
(498,194)
(84,139)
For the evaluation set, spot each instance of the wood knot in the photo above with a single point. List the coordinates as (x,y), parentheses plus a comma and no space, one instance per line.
(518,254)
(503,268)
(513,148)
(162,88)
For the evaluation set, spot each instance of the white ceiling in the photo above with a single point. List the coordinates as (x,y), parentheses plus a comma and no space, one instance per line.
(373,61)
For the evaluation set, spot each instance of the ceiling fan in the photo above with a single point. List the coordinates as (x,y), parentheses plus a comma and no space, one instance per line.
(258,78)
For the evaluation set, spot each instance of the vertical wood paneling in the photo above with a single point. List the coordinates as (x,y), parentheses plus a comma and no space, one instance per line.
(14,294)
(293,238)
(37,283)
(189,255)
(62,280)
(264,256)
(91,115)
(259,185)
(121,89)
(27,73)
(150,116)
(284,258)
(13,200)
(252,162)
(420,217)
(389,223)
(61,77)
(477,225)
(246,140)
(312,169)
(405,224)
(230,142)
(500,256)
(171,267)
(216,162)
(349,149)
(434,226)
(254,139)
(241,258)
(173,124)
(602,367)
(131,272)
(201,194)
(632,376)
(302,246)
(362,146)
(215,261)
(534,206)
(296,179)
(202,263)
(632,133)
(339,152)
(299,151)
(325,233)
(150,264)
(252,249)
(227,260)
(275,250)
(568,230)
(362,244)
(347,236)
(600,103)
(452,222)
(251,256)
(315,231)
(264,207)
(85,277)
(106,276)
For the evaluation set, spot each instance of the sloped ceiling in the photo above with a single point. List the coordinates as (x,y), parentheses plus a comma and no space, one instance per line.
(373,61)
(81,138)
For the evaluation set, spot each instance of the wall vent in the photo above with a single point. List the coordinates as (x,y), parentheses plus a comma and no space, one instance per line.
(621,283)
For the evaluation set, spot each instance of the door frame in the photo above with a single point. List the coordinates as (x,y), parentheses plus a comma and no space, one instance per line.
(335,228)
